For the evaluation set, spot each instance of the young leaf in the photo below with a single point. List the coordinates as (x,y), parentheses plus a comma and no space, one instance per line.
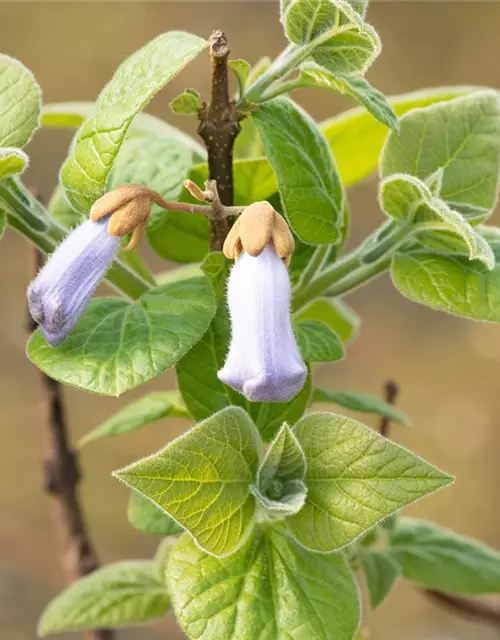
(271,588)
(381,572)
(151,407)
(187,103)
(355,478)
(310,188)
(405,197)
(462,136)
(318,342)
(85,172)
(20,103)
(241,69)
(360,402)
(202,480)
(334,313)
(357,129)
(448,283)
(304,21)
(118,595)
(312,75)
(147,517)
(280,487)
(350,52)
(440,559)
(162,325)
(12,161)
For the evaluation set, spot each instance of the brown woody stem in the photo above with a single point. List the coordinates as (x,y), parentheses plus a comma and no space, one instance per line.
(219,126)
(62,475)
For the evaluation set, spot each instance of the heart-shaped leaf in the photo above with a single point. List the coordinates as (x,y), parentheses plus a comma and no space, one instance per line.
(355,478)
(202,480)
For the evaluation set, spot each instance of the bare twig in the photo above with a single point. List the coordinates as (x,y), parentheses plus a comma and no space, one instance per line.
(62,475)
(219,126)
(391,391)
(471,608)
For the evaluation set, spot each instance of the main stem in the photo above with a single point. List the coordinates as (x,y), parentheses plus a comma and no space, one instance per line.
(62,475)
(219,126)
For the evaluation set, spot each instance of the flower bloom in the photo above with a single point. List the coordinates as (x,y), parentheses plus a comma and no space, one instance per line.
(59,294)
(263,362)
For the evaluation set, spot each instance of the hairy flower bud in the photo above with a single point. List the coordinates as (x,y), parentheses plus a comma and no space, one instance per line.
(263,362)
(257,226)
(59,294)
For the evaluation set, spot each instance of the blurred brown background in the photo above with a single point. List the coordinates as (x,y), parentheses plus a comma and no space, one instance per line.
(448,369)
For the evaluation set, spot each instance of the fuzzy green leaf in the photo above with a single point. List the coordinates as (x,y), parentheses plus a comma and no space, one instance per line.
(271,589)
(119,345)
(151,407)
(202,480)
(355,478)
(360,402)
(187,103)
(20,103)
(318,342)
(118,595)
(438,558)
(12,161)
(310,187)
(462,137)
(147,517)
(312,75)
(85,172)
(448,283)
(357,129)
(241,69)
(381,572)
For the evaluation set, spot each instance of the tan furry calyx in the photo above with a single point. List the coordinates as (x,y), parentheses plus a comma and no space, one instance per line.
(129,208)
(257,226)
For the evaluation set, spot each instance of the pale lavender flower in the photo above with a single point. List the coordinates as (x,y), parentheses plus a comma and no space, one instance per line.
(59,294)
(263,362)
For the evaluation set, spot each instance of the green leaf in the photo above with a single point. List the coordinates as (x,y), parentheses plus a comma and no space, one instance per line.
(187,103)
(438,558)
(405,197)
(20,103)
(147,517)
(280,488)
(310,188)
(151,407)
(3,223)
(12,160)
(448,283)
(361,402)
(312,75)
(357,129)
(318,342)
(272,588)
(118,595)
(161,558)
(381,572)
(334,313)
(355,478)
(202,480)
(461,136)
(241,69)
(350,52)
(85,172)
(118,345)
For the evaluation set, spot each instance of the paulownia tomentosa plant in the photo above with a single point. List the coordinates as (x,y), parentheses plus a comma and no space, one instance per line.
(268,506)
